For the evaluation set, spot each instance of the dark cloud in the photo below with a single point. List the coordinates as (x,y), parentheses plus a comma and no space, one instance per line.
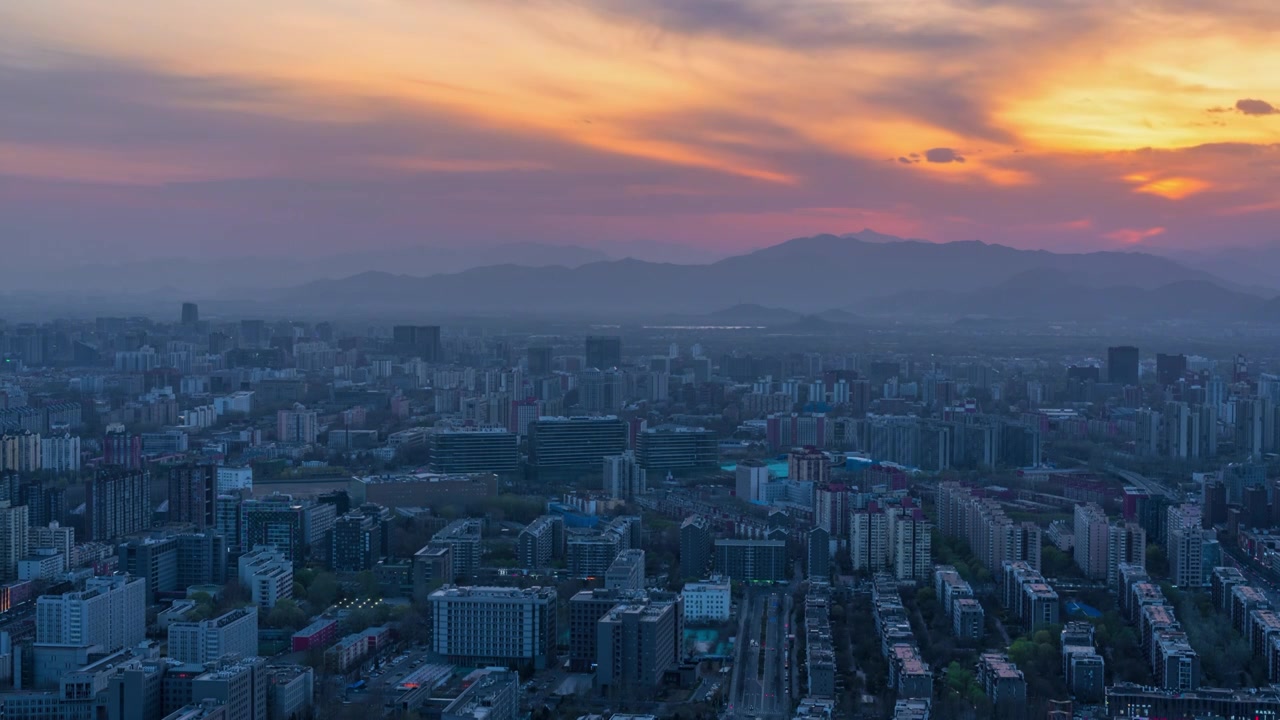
(800,26)
(943,155)
(1256,107)
(905,160)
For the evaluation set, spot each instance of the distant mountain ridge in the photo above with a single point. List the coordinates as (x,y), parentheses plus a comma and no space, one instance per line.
(811,275)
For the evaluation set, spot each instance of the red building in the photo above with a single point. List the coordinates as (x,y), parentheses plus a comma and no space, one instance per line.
(319,634)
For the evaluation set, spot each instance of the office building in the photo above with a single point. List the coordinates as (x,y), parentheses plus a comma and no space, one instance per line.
(575,443)
(489,625)
(1170,369)
(626,572)
(190,314)
(192,490)
(432,567)
(357,542)
(232,633)
(707,600)
(603,351)
(421,341)
(624,478)
(110,612)
(53,537)
(673,448)
(1122,365)
(231,479)
(421,489)
(294,527)
(474,451)
(14,539)
(489,694)
(638,642)
(539,360)
(267,574)
(463,538)
(752,560)
(541,542)
(586,608)
(297,425)
(290,692)
(117,503)
(695,546)
(241,687)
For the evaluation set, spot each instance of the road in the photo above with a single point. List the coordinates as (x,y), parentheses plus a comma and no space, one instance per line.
(1263,579)
(1146,483)
(761,685)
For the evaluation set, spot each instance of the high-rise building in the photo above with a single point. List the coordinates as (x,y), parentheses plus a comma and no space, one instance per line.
(910,538)
(357,542)
(240,686)
(695,546)
(539,361)
(868,539)
(638,642)
(603,351)
(1126,545)
(1185,546)
(626,572)
(750,479)
(20,452)
(1122,365)
(1091,541)
(585,610)
(14,539)
(432,567)
(110,612)
(624,478)
(575,443)
(296,425)
(117,503)
(190,314)
(541,542)
(808,465)
(293,527)
(463,537)
(192,490)
(267,574)
(232,633)
(751,560)
(418,340)
(60,453)
(818,554)
(475,451)
(492,625)
(1170,369)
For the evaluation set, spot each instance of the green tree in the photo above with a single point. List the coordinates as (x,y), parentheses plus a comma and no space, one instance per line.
(323,591)
(286,615)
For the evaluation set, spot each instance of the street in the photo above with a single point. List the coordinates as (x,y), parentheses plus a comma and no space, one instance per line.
(761,686)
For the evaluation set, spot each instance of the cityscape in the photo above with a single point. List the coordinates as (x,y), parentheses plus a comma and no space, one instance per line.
(287,519)
(639,360)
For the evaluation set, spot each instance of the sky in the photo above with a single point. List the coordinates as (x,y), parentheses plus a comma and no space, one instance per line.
(242,128)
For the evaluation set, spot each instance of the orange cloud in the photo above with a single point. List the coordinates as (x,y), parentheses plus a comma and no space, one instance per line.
(1133,236)
(1173,188)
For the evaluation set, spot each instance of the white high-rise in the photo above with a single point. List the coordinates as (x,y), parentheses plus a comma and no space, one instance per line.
(751,478)
(623,476)
(110,612)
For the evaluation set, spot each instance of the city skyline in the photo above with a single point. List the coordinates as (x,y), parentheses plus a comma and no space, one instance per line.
(701,129)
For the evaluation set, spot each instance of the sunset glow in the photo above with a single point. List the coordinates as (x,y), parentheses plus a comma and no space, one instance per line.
(494,120)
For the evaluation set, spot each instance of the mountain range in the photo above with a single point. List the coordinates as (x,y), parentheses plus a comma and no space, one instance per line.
(880,275)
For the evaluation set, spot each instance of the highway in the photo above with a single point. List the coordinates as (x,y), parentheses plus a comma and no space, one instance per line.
(1151,486)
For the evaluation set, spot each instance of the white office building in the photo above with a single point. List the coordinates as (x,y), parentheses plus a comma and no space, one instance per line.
(111,612)
(234,633)
(268,575)
(707,601)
